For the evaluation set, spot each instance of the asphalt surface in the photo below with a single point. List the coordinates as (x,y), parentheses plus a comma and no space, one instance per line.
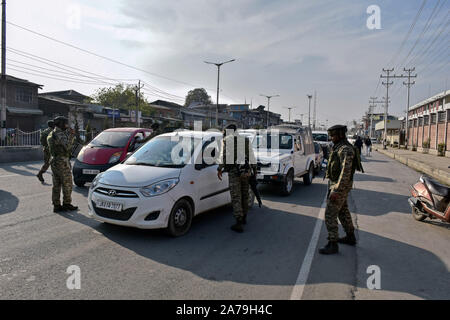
(211,261)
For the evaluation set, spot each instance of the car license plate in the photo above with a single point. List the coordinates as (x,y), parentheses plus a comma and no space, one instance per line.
(109,205)
(89,171)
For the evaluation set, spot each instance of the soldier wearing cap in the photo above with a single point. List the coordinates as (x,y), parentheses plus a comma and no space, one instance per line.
(340,170)
(43,138)
(60,142)
(239,167)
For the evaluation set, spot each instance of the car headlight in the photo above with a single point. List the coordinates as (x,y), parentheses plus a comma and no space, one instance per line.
(80,155)
(159,187)
(96,179)
(115,157)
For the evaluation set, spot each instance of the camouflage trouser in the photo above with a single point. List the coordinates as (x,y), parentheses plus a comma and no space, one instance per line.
(62,179)
(239,189)
(338,209)
(47,158)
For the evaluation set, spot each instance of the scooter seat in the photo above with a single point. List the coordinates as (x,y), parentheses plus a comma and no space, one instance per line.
(437,188)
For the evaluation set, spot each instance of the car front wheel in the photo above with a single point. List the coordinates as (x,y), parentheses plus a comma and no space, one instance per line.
(288,183)
(180,219)
(308,178)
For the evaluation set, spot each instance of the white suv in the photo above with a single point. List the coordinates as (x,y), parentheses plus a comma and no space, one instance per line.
(283,154)
(151,190)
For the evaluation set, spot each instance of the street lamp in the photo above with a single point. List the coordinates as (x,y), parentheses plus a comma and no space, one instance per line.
(309,110)
(218,64)
(268,106)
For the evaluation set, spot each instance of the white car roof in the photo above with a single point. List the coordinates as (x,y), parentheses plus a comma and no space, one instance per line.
(194,134)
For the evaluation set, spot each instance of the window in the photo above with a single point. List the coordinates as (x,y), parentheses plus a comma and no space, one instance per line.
(415,122)
(298,145)
(24,94)
(426,120)
(448,115)
(420,121)
(441,116)
(433,118)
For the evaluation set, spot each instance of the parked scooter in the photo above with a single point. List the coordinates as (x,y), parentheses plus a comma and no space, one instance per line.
(430,199)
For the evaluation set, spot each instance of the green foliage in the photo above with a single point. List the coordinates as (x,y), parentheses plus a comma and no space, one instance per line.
(426,143)
(197,95)
(120,97)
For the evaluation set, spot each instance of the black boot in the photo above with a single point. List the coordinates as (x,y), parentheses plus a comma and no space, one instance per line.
(349,239)
(40,177)
(58,208)
(330,248)
(69,207)
(237,226)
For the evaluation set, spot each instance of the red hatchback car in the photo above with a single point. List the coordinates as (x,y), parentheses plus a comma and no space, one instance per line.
(106,150)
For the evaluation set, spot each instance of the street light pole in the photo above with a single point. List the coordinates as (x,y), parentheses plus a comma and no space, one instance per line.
(3,78)
(309,110)
(268,106)
(218,64)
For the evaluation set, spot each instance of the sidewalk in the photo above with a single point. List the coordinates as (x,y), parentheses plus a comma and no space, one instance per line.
(431,165)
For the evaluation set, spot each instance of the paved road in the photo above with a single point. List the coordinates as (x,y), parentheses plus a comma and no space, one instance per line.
(211,261)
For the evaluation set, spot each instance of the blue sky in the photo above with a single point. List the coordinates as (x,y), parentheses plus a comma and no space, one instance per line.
(290,48)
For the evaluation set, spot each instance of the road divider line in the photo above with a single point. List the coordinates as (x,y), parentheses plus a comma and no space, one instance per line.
(303,275)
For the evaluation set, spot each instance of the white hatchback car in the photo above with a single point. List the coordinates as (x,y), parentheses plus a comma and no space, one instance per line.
(164,184)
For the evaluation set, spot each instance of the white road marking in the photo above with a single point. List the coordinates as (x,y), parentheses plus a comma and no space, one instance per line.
(303,275)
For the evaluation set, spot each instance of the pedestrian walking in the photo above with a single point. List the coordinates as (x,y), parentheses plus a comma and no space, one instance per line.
(60,143)
(239,167)
(368,144)
(342,164)
(45,150)
(358,144)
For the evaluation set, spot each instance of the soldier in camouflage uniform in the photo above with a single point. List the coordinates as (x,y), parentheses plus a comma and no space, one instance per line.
(43,138)
(239,168)
(343,162)
(60,143)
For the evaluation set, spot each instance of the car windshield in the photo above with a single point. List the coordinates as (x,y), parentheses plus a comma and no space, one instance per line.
(172,152)
(320,137)
(269,141)
(111,139)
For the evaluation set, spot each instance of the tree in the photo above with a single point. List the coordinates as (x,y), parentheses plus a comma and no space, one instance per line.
(197,95)
(121,97)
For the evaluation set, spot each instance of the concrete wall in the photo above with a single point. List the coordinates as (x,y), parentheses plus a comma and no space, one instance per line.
(20,154)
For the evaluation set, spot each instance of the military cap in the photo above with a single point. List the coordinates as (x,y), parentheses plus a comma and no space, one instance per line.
(231,126)
(59,120)
(337,127)
(50,123)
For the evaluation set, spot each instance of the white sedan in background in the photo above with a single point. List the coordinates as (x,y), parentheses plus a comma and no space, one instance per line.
(168,181)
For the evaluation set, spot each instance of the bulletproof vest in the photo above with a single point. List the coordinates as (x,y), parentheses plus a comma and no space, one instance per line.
(59,144)
(335,167)
(243,164)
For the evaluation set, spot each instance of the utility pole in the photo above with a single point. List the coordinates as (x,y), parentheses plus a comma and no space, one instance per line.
(218,64)
(301,115)
(314,115)
(3,78)
(289,113)
(372,105)
(387,84)
(138,97)
(268,106)
(408,84)
(309,110)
